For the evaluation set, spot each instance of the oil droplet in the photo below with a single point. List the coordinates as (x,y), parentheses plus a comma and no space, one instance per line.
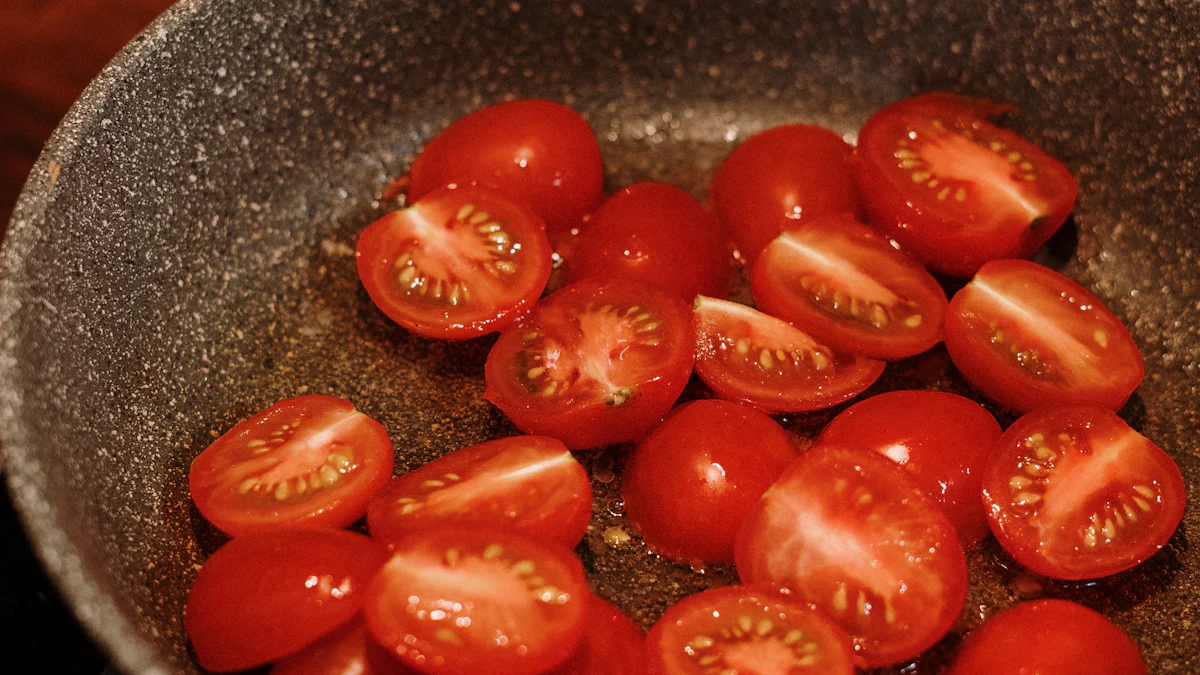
(616,507)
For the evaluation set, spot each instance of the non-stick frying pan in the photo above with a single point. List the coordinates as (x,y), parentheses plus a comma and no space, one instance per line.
(182,254)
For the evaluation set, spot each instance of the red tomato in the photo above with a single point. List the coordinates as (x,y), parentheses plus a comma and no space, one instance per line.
(1050,637)
(745,355)
(526,484)
(264,596)
(1072,492)
(313,461)
(460,263)
(349,650)
(1027,336)
(955,190)
(597,362)
(778,178)
(695,477)
(844,284)
(463,602)
(611,644)
(739,629)
(540,152)
(656,233)
(849,532)
(943,441)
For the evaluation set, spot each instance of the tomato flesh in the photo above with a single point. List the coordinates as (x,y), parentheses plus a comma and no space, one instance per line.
(611,644)
(349,650)
(313,461)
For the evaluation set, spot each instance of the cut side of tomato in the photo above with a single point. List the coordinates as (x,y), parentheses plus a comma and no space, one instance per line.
(526,484)
(349,650)
(462,602)
(459,263)
(848,532)
(611,644)
(1072,492)
(844,284)
(597,362)
(746,355)
(1028,336)
(313,461)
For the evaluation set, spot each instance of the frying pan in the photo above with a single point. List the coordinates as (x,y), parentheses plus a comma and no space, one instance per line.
(182,253)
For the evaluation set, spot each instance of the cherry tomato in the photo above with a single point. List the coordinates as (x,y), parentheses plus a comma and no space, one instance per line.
(656,233)
(1027,336)
(263,596)
(313,461)
(463,602)
(943,441)
(694,478)
(540,152)
(849,532)
(1051,637)
(779,178)
(597,362)
(745,355)
(526,484)
(844,284)
(1072,492)
(740,629)
(611,644)
(349,650)
(955,190)
(460,263)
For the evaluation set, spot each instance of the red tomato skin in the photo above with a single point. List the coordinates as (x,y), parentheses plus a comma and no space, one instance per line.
(264,596)
(349,650)
(777,179)
(534,150)
(1048,637)
(691,482)
(657,234)
(942,440)
(213,496)
(611,644)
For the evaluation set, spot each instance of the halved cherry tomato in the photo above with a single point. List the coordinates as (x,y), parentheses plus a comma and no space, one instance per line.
(263,596)
(943,441)
(741,629)
(463,602)
(540,152)
(656,233)
(526,484)
(1028,336)
(313,461)
(611,644)
(597,362)
(349,650)
(849,532)
(1072,492)
(1048,637)
(460,263)
(694,478)
(778,178)
(844,284)
(745,355)
(955,190)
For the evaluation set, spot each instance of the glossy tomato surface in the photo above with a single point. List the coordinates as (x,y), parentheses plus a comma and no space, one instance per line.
(349,650)
(746,355)
(942,440)
(956,190)
(1072,492)
(540,152)
(850,533)
(598,362)
(777,179)
(690,483)
(459,263)
(263,596)
(658,234)
(611,644)
(1027,336)
(526,484)
(463,602)
(1048,637)
(742,629)
(313,461)
(843,283)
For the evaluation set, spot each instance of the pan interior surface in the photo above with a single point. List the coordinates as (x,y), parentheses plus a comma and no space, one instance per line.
(183,254)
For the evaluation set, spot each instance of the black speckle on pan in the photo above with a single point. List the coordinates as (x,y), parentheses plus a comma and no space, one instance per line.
(182,254)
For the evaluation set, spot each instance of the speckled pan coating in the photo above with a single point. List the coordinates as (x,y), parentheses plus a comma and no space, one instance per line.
(183,252)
